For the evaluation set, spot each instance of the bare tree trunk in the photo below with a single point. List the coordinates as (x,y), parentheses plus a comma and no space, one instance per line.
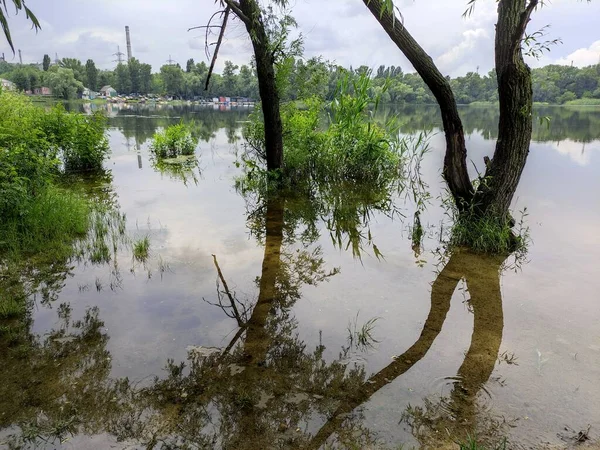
(516,102)
(455,161)
(249,12)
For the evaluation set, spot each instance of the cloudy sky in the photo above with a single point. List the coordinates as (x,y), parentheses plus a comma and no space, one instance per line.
(341,30)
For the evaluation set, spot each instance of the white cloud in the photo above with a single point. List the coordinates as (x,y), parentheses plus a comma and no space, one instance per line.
(579,152)
(473,41)
(340,30)
(583,57)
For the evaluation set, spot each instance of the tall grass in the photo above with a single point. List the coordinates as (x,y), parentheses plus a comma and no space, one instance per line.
(141,249)
(48,223)
(350,145)
(173,141)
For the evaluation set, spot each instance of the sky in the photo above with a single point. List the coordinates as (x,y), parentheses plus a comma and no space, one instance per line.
(342,31)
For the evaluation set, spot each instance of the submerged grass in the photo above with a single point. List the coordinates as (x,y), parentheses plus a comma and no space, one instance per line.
(141,249)
(48,224)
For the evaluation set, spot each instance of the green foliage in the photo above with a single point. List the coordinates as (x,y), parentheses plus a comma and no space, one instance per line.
(352,146)
(87,146)
(176,140)
(63,83)
(46,63)
(487,234)
(19,5)
(46,222)
(35,214)
(141,249)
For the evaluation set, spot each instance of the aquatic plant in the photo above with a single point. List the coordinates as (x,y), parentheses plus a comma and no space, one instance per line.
(173,141)
(141,249)
(351,144)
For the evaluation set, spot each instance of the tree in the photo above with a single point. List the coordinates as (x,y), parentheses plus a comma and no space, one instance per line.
(145,78)
(250,14)
(135,68)
(106,78)
(494,193)
(63,83)
(229,77)
(75,65)
(189,66)
(172,80)
(122,80)
(46,63)
(91,75)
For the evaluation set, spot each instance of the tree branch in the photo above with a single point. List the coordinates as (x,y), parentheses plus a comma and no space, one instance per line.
(218,46)
(235,7)
(523,21)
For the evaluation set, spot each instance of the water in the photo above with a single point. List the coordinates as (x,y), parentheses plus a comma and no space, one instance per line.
(310,322)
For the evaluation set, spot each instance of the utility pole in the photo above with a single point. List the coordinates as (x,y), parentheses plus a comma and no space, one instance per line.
(20,57)
(3,58)
(56,58)
(170,61)
(119,56)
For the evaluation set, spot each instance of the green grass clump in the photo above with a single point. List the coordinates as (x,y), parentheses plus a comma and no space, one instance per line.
(176,140)
(141,249)
(47,223)
(10,308)
(350,145)
(486,234)
(472,444)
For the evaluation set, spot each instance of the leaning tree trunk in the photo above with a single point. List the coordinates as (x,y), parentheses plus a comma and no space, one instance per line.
(250,14)
(455,161)
(516,101)
(502,175)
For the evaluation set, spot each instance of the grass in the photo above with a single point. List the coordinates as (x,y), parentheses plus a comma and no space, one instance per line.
(362,337)
(141,249)
(472,444)
(173,141)
(10,308)
(584,102)
(48,224)
(483,235)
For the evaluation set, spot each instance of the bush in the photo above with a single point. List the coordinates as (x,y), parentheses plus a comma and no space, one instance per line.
(351,146)
(35,214)
(87,147)
(47,222)
(174,141)
(78,140)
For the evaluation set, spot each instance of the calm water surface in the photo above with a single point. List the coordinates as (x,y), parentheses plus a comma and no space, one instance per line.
(293,322)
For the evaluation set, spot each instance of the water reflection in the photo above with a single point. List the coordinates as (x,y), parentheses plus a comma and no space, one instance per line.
(267,381)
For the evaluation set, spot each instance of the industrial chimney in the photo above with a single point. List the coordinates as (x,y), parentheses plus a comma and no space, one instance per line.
(128,42)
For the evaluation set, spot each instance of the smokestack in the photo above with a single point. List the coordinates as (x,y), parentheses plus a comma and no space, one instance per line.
(128,42)
(20,57)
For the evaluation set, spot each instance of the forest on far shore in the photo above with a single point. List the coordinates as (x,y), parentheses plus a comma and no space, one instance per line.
(553,84)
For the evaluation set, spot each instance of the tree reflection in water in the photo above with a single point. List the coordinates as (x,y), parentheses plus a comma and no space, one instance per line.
(266,388)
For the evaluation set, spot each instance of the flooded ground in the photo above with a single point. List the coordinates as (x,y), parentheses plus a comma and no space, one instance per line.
(316,320)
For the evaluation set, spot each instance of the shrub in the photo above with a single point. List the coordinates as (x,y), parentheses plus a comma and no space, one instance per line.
(353,145)
(35,214)
(174,141)
(88,147)
(78,140)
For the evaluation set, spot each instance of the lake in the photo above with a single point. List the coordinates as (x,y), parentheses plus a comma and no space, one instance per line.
(319,321)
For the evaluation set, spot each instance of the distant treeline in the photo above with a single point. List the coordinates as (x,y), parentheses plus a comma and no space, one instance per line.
(298,78)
